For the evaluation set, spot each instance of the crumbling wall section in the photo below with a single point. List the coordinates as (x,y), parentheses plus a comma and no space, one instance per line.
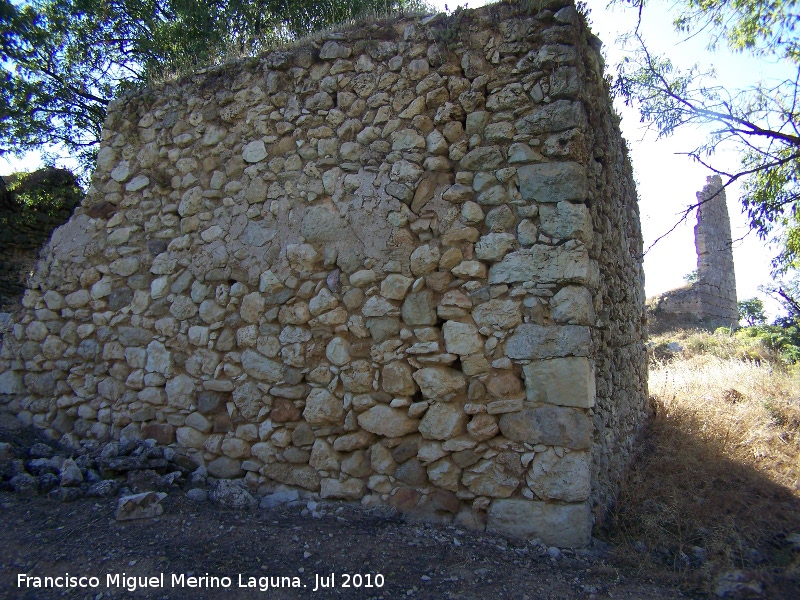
(716,278)
(400,264)
(710,301)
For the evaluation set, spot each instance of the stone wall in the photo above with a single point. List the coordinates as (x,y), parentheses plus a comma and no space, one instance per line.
(399,264)
(710,301)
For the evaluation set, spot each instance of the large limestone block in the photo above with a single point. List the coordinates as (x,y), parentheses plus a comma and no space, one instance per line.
(398,380)
(462,338)
(440,383)
(566,220)
(569,263)
(553,182)
(260,367)
(564,381)
(419,308)
(504,314)
(487,478)
(349,489)
(11,383)
(566,478)
(564,525)
(573,304)
(387,421)
(443,421)
(544,341)
(291,474)
(323,408)
(549,425)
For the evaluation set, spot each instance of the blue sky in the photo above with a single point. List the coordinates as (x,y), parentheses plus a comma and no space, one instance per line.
(667,181)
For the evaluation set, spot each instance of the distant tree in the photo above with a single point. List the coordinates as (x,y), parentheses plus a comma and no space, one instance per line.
(787,292)
(760,121)
(751,311)
(691,277)
(63,61)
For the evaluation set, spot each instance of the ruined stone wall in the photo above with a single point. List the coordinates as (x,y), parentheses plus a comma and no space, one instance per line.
(710,301)
(399,264)
(716,279)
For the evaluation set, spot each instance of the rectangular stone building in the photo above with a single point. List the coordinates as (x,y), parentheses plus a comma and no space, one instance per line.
(399,264)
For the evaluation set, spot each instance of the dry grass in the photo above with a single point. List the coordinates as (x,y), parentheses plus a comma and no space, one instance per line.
(716,486)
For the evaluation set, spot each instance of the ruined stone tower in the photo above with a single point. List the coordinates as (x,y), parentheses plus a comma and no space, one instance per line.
(710,301)
(716,280)
(398,264)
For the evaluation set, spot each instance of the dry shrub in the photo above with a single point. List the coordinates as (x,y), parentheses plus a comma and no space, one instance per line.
(716,485)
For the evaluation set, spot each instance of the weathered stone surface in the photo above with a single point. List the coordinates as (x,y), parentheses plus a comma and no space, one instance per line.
(505,314)
(323,408)
(440,383)
(487,478)
(493,246)
(549,425)
(573,305)
(140,506)
(419,309)
(547,264)
(564,525)
(233,495)
(260,367)
(544,341)
(443,421)
(553,182)
(254,152)
(462,338)
(395,287)
(289,474)
(397,379)
(424,260)
(563,381)
(349,489)
(386,421)
(445,474)
(566,478)
(225,467)
(566,220)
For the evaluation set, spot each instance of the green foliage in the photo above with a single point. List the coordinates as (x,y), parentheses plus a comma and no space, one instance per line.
(784,340)
(751,311)
(65,60)
(760,121)
(39,202)
(691,277)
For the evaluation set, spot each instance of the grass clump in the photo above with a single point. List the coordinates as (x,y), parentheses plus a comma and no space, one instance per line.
(716,485)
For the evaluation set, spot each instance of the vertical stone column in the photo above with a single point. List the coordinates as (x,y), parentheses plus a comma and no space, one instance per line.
(716,280)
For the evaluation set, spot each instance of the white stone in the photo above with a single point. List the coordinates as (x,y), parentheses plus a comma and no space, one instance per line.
(443,421)
(573,305)
(566,478)
(493,246)
(254,152)
(560,525)
(462,338)
(395,286)
(386,421)
(323,408)
(338,351)
(440,383)
(564,381)
(546,264)
(566,220)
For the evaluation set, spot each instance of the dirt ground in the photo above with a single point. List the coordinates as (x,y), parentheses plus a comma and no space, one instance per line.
(43,537)
(285,552)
